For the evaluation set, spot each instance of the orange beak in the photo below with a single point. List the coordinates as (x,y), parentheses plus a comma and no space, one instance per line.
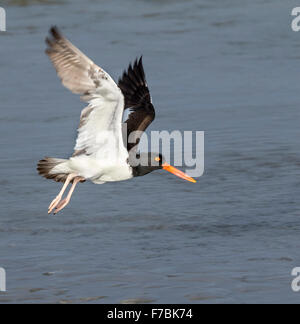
(177,172)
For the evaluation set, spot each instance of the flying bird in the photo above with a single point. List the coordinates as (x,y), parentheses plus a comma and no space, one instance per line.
(101,154)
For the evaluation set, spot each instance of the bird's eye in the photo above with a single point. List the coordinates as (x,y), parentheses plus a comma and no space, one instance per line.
(157,159)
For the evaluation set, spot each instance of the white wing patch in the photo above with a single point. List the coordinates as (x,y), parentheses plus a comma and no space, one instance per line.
(100,128)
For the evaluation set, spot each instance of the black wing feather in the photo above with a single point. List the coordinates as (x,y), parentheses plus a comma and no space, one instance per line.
(137,97)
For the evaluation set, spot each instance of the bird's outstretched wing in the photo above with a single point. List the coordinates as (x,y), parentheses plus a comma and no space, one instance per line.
(137,97)
(101,120)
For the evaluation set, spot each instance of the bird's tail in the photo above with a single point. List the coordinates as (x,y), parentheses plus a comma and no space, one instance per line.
(53,168)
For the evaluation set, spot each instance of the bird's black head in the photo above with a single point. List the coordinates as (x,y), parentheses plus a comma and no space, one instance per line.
(146,163)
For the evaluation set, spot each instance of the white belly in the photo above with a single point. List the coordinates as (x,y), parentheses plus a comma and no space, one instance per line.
(114,173)
(99,171)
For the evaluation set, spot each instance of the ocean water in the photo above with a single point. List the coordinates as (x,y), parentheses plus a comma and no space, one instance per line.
(229,68)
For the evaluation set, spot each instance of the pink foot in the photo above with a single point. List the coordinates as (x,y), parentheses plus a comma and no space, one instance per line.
(54,203)
(61,205)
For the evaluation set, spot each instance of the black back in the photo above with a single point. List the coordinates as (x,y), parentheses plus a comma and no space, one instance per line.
(137,97)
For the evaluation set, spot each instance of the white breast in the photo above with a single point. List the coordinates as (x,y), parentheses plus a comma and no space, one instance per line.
(114,173)
(100,170)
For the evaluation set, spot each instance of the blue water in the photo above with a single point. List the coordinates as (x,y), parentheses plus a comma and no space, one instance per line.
(229,68)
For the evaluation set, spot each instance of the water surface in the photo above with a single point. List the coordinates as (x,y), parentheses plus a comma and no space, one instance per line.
(228,68)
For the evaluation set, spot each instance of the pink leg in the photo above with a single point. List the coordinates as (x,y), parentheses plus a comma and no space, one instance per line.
(65,201)
(57,199)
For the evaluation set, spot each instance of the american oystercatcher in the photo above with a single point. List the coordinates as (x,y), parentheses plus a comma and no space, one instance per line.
(101,154)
